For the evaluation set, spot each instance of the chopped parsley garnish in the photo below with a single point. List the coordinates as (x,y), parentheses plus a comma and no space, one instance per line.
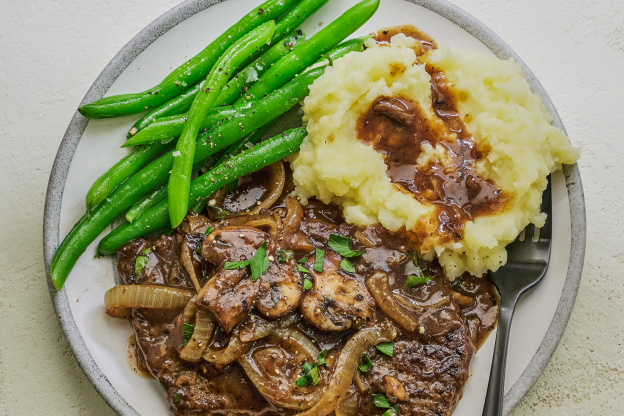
(320,360)
(141,261)
(284,255)
(302,269)
(307,284)
(310,371)
(209,230)
(176,398)
(302,260)
(231,265)
(319,259)
(342,245)
(368,364)
(198,248)
(386,348)
(381,401)
(188,332)
(417,279)
(259,262)
(347,266)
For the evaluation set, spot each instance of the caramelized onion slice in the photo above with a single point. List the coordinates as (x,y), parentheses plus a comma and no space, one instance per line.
(379,287)
(278,180)
(257,328)
(187,262)
(279,389)
(189,311)
(292,220)
(224,356)
(202,331)
(119,300)
(350,404)
(264,222)
(346,366)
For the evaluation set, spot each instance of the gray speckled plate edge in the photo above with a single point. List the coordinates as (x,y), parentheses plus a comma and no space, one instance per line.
(180,13)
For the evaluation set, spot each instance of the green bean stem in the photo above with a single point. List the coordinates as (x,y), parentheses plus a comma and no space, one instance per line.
(261,155)
(180,179)
(156,173)
(189,72)
(310,51)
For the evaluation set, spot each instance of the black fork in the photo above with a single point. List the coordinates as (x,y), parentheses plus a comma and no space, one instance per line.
(527,262)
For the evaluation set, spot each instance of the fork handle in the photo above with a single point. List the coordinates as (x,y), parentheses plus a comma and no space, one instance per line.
(496,386)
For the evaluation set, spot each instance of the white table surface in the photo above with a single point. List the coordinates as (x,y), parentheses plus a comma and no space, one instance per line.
(50,53)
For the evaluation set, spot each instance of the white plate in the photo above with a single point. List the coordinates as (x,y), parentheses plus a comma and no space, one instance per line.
(88,149)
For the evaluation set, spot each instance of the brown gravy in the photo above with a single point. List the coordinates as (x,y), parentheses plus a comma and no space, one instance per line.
(383,36)
(397,127)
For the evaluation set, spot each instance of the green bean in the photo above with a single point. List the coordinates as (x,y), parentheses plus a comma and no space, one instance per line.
(351,45)
(156,173)
(176,105)
(261,155)
(310,51)
(184,155)
(146,203)
(167,128)
(121,170)
(189,72)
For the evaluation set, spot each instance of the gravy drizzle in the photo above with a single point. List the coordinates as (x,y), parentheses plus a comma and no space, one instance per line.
(397,128)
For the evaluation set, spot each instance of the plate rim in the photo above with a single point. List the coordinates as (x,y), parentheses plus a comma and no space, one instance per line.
(178,14)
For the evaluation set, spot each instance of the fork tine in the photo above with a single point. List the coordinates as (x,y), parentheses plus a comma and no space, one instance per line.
(528,233)
(546,230)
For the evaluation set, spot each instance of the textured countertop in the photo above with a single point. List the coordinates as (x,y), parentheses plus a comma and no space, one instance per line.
(50,53)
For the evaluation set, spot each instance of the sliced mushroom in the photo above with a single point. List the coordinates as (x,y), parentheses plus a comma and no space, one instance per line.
(394,390)
(338,301)
(280,290)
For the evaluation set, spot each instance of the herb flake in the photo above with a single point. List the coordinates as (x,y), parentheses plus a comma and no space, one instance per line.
(417,279)
(310,371)
(347,266)
(368,364)
(176,398)
(386,348)
(231,265)
(382,402)
(342,245)
(319,260)
(141,261)
(302,269)
(307,284)
(188,332)
(259,262)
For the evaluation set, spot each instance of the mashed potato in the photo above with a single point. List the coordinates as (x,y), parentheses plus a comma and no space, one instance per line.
(496,105)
